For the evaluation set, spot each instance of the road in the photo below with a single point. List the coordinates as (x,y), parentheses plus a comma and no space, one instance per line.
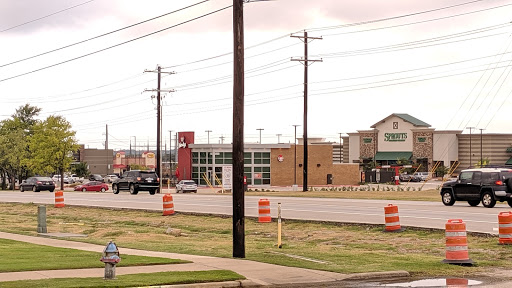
(412,213)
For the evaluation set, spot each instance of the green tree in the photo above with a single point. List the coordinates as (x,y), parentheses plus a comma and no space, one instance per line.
(482,162)
(52,146)
(138,167)
(442,170)
(81,169)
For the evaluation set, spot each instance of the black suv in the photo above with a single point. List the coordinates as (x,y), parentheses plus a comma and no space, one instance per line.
(137,180)
(483,184)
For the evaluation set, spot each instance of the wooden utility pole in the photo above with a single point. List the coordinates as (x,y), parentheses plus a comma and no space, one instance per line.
(305,61)
(158,168)
(238,131)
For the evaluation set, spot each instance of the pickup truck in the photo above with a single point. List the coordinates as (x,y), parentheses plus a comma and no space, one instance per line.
(486,185)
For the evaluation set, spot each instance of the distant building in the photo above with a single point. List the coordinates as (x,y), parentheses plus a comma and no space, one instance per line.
(99,161)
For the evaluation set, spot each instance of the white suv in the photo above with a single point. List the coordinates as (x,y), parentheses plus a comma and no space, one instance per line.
(110,178)
(423,176)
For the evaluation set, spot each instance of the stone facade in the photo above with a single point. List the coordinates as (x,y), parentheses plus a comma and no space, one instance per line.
(423,149)
(368,150)
(319,165)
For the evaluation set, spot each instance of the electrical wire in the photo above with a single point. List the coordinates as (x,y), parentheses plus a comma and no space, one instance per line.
(102,35)
(117,45)
(40,18)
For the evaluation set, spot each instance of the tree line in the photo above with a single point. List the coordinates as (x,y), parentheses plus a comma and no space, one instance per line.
(31,146)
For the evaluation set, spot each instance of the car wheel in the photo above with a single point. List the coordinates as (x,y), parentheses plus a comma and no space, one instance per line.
(509,202)
(152,192)
(448,198)
(133,191)
(474,202)
(103,189)
(84,190)
(195,191)
(115,189)
(487,200)
(34,188)
(21,189)
(51,190)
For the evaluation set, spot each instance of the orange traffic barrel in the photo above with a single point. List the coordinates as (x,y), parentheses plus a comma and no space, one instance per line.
(457,283)
(505,227)
(264,211)
(168,205)
(456,243)
(392,219)
(59,199)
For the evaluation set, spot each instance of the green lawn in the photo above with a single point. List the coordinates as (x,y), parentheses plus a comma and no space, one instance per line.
(132,280)
(19,256)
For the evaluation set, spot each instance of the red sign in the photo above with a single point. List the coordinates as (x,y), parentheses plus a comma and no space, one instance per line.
(280,158)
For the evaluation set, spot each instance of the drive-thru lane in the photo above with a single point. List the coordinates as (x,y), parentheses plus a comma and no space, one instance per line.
(412,213)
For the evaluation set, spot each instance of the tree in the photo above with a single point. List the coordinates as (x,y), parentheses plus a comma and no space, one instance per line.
(482,162)
(52,146)
(81,169)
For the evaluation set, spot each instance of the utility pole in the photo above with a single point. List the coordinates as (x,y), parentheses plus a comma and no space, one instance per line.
(106,148)
(221,139)
(470,153)
(278,138)
(208,131)
(158,123)
(295,158)
(238,131)
(340,146)
(170,154)
(260,132)
(305,61)
(481,149)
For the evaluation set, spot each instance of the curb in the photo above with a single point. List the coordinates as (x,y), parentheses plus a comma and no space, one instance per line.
(377,275)
(226,284)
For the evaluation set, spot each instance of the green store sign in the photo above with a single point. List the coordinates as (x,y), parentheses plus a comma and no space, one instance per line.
(395,137)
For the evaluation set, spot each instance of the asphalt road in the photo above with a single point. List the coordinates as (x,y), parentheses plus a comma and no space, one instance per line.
(412,213)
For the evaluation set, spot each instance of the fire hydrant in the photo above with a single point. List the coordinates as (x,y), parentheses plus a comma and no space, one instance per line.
(110,258)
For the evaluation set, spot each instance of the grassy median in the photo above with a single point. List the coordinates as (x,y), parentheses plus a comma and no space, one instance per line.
(323,246)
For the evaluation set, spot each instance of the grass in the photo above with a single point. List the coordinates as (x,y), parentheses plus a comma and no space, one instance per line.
(19,256)
(132,280)
(337,247)
(424,195)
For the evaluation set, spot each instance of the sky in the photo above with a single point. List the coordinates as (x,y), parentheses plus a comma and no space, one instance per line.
(444,62)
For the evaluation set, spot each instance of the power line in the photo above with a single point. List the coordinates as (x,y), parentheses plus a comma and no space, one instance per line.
(105,34)
(31,21)
(117,45)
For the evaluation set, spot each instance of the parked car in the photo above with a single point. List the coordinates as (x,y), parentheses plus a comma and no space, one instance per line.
(67,180)
(186,186)
(92,186)
(76,178)
(37,184)
(487,185)
(423,176)
(96,177)
(137,180)
(409,178)
(110,178)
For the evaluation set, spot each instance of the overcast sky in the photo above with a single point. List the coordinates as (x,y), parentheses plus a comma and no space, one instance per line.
(444,62)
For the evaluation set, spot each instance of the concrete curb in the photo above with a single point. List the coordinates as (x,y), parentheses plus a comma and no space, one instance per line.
(227,284)
(377,275)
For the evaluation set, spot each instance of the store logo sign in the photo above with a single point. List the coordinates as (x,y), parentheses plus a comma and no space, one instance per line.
(280,158)
(395,137)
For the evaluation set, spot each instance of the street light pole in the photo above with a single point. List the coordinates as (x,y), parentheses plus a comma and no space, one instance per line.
(260,133)
(170,154)
(295,158)
(208,131)
(340,146)
(481,149)
(470,153)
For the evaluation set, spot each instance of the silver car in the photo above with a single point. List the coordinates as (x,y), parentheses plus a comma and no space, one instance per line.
(186,186)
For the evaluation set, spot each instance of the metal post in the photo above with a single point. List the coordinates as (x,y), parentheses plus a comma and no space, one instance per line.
(470,153)
(374,147)
(481,149)
(340,146)
(278,138)
(208,131)
(279,244)
(295,158)
(260,133)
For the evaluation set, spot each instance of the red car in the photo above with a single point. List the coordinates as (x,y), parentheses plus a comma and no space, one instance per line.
(92,186)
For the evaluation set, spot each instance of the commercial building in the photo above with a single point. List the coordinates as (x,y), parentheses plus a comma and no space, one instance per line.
(264,164)
(402,136)
(99,161)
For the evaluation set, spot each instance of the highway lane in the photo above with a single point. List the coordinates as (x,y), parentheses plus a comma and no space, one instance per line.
(412,213)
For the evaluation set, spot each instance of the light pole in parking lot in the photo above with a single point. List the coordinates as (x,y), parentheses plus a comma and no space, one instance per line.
(481,149)
(135,147)
(260,132)
(470,161)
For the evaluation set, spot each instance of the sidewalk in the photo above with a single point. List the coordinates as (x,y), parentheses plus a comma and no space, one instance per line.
(257,273)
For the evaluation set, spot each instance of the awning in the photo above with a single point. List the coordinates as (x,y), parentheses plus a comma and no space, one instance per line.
(509,162)
(392,156)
